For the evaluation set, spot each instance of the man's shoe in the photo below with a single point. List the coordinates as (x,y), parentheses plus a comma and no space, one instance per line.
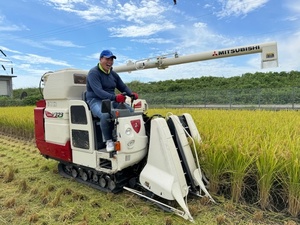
(110,145)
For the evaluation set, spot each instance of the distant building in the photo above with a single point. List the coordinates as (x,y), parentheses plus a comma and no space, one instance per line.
(6,85)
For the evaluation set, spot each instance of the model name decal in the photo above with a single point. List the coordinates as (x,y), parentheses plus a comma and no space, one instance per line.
(54,114)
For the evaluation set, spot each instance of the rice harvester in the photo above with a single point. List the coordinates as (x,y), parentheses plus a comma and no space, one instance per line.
(154,157)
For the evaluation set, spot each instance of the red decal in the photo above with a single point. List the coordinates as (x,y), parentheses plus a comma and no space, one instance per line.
(54,115)
(49,114)
(138,105)
(136,125)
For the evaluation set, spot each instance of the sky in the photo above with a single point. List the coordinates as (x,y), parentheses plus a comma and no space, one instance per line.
(37,36)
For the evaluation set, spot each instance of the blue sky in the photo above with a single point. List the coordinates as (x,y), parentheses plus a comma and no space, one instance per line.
(47,35)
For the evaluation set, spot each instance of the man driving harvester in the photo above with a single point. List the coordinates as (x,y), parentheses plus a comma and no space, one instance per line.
(101,84)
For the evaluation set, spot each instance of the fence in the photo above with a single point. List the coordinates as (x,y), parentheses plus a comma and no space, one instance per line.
(270,98)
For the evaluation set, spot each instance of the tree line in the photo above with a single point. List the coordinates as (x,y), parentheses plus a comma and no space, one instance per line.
(283,85)
(246,81)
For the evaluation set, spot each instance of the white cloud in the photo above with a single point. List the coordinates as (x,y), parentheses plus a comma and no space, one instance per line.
(32,43)
(27,76)
(153,40)
(293,5)
(62,43)
(139,31)
(83,8)
(136,12)
(94,13)
(12,27)
(294,8)
(145,16)
(30,67)
(6,26)
(139,13)
(289,52)
(36,59)
(5,49)
(292,18)
(239,7)
(200,38)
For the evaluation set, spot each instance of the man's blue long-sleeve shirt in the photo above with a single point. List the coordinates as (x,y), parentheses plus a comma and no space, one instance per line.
(102,86)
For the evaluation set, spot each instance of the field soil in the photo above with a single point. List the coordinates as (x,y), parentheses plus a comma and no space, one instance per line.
(32,192)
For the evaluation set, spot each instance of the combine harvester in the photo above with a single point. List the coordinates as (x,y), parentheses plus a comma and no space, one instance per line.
(154,157)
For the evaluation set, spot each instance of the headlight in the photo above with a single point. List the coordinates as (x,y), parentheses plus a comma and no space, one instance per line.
(128,131)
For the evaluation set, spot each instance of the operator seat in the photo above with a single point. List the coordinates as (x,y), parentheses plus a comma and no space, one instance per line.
(99,144)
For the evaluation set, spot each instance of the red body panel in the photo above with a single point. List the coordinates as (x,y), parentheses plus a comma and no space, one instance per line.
(39,127)
(58,152)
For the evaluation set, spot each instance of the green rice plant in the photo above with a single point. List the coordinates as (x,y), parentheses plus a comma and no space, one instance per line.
(268,168)
(232,161)
(294,187)
(213,162)
(212,152)
(238,165)
(288,142)
(292,180)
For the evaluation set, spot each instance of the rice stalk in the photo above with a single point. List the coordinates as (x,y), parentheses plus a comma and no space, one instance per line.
(292,179)
(238,166)
(213,163)
(268,167)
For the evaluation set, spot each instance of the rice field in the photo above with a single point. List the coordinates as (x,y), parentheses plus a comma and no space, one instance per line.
(249,157)
(17,121)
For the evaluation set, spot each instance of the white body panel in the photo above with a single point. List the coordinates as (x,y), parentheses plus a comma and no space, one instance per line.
(60,87)
(139,105)
(194,167)
(64,84)
(56,117)
(163,174)
(163,169)
(87,159)
(83,156)
(184,143)
(133,144)
(193,128)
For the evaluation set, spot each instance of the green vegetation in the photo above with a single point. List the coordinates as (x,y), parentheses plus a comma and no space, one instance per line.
(22,97)
(246,81)
(258,88)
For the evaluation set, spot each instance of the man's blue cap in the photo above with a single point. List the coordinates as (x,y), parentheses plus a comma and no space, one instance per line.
(107,54)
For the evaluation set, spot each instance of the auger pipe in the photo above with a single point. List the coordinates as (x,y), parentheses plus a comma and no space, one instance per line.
(268,50)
